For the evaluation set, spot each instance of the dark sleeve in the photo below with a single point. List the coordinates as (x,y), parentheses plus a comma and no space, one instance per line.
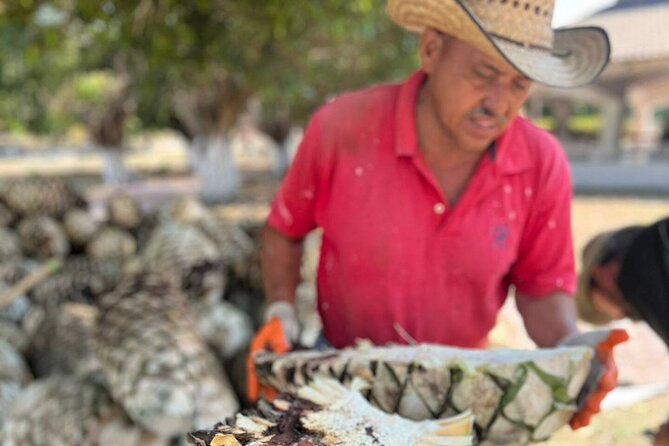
(644,277)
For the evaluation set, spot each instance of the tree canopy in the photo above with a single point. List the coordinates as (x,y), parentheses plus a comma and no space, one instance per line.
(291,55)
(188,65)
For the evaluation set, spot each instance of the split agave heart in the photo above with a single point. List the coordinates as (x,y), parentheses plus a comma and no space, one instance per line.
(516,396)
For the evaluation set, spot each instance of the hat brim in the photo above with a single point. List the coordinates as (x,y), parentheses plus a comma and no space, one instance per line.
(577,57)
(592,256)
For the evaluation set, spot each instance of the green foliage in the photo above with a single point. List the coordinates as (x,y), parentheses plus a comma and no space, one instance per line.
(292,54)
(586,124)
(662,115)
(84,96)
(583,124)
(348,45)
(35,56)
(584,121)
(92,88)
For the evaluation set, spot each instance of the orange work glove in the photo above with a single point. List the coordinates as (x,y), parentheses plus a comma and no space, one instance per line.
(275,336)
(603,374)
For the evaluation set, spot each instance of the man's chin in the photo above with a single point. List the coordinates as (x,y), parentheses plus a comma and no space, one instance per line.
(477,146)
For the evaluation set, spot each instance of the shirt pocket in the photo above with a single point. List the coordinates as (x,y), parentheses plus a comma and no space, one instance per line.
(488,238)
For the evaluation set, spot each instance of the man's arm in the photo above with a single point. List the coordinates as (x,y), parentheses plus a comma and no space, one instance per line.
(280,262)
(550,319)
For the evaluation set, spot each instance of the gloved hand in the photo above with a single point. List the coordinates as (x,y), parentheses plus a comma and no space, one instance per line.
(285,312)
(280,331)
(603,375)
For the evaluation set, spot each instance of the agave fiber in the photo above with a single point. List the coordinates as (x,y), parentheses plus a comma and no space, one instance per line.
(325,413)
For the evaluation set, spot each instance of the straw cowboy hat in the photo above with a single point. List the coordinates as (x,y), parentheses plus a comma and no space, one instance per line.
(518,30)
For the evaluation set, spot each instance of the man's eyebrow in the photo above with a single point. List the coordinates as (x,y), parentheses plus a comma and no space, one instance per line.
(491,67)
(497,71)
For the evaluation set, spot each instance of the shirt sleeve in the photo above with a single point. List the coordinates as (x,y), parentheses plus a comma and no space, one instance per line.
(293,211)
(545,263)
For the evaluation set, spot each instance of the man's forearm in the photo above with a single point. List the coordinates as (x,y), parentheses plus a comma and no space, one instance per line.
(280,262)
(550,319)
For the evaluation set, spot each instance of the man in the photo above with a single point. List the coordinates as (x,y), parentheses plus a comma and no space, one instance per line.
(626,274)
(434,197)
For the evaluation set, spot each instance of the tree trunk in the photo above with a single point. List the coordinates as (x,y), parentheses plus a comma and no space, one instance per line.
(217,171)
(282,157)
(197,152)
(114,170)
(277,125)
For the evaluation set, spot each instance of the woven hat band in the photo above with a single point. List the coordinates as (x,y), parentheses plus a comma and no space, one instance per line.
(527,22)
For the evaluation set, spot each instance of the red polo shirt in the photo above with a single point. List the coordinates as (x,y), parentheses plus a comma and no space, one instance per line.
(393,249)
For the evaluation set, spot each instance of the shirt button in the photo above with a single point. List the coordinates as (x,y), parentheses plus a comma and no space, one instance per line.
(439,208)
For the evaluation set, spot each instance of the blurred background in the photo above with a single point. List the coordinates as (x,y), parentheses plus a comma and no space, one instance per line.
(154,133)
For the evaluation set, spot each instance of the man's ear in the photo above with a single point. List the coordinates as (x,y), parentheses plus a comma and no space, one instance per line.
(606,276)
(430,48)
(602,277)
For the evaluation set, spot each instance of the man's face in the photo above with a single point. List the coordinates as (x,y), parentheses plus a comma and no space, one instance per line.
(474,96)
(604,290)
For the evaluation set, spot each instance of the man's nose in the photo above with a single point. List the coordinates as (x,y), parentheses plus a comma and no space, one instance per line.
(495,99)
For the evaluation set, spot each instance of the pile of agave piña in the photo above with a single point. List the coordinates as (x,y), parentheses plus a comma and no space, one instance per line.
(139,337)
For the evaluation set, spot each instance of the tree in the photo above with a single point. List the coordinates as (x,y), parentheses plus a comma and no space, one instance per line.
(194,65)
(350,45)
(61,68)
(100,100)
(35,58)
(212,57)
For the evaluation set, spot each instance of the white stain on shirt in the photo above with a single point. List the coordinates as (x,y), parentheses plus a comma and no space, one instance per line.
(359,171)
(285,213)
(552,224)
(529,192)
(329,264)
(508,189)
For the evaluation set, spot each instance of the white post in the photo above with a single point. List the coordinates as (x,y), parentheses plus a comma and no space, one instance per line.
(113,166)
(217,171)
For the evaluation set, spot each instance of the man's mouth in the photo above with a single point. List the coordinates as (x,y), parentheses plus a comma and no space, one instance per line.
(486,122)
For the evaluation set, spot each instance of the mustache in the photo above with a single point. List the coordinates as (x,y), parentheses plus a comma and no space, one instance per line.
(486,113)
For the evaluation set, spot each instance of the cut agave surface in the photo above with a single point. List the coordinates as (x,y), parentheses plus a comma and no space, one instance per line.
(325,413)
(516,396)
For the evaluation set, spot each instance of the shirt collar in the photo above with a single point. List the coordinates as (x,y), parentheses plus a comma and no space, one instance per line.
(406,142)
(512,154)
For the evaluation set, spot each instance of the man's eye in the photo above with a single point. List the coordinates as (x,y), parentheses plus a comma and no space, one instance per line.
(485,74)
(523,85)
